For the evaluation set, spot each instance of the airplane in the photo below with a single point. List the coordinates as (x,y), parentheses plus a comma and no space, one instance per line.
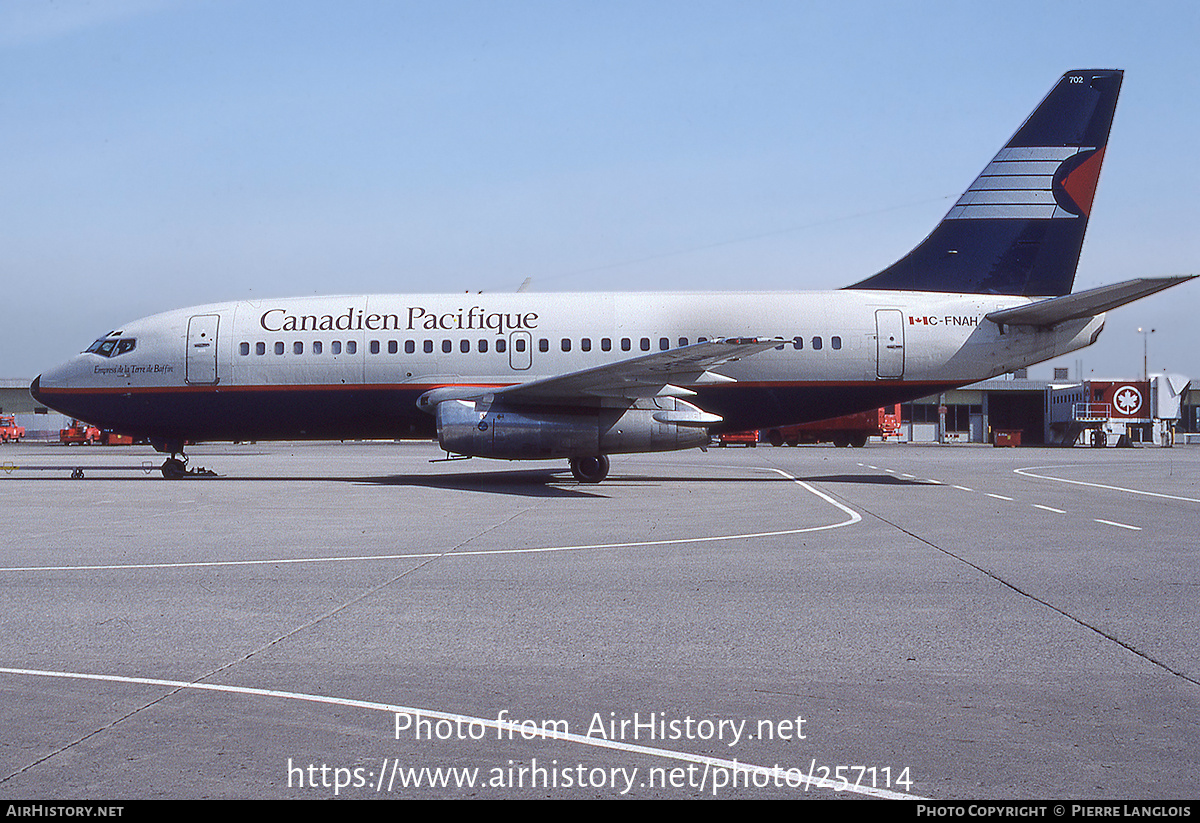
(582,376)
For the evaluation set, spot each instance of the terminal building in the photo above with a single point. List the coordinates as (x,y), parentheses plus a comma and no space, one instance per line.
(1161,410)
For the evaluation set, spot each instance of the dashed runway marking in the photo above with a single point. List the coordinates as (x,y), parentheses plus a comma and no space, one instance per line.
(1028,472)
(1118,525)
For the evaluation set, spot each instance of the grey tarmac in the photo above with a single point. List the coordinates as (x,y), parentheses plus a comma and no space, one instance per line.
(346,620)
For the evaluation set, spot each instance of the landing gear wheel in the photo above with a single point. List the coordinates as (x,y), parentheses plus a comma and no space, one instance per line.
(173,468)
(590,469)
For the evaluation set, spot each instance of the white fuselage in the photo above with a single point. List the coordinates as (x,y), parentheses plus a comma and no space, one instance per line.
(353,366)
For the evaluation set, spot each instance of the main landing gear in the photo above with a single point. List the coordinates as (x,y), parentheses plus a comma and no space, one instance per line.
(174,468)
(590,469)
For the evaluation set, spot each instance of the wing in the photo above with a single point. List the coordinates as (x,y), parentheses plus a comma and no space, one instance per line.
(652,375)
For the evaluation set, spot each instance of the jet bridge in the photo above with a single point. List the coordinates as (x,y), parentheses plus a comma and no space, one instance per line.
(1101,413)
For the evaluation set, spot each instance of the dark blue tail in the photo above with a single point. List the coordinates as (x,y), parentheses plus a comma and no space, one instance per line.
(1019,228)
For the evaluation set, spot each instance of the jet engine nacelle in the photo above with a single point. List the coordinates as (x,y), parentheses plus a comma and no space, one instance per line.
(484,429)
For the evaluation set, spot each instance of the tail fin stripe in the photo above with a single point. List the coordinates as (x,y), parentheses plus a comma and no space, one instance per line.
(1019,188)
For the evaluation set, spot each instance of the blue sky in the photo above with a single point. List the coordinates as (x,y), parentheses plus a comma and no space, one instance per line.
(160,154)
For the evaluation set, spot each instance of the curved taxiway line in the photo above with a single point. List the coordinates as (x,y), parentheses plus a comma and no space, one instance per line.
(852,518)
(793,778)
(1029,472)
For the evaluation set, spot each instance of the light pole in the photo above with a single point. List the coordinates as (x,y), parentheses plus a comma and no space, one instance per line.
(1145,333)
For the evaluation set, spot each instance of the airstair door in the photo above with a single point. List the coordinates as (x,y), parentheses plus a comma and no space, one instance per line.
(202,349)
(889,343)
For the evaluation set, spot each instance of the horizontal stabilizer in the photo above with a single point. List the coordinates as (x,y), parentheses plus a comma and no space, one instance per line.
(1085,303)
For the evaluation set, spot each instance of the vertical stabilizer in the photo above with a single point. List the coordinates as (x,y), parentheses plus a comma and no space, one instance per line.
(1019,228)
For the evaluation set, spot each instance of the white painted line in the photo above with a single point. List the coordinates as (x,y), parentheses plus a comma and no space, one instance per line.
(1119,525)
(852,517)
(1047,508)
(1029,472)
(964,488)
(908,475)
(514,728)
(997,496)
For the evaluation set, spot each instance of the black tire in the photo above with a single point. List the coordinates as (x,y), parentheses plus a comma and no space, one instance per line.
(775,438)
(590,469)
(173,469)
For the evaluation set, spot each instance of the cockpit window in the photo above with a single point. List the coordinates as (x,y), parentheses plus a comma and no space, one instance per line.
(109,347)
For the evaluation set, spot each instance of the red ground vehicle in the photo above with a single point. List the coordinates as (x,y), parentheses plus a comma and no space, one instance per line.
(749,438)
(78,433)
(9,430)
(851,430)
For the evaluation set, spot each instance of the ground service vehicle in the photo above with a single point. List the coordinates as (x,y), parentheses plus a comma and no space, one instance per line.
(749,438)
(848,430)
(78,433)
(9,430)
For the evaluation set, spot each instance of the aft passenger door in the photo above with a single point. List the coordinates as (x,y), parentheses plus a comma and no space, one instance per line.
(889,343)
(201,366)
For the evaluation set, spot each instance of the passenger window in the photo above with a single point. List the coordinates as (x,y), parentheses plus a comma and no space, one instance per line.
(393,347)
(797,343)
(501,345)
(543,345)
(447,347)
(663,344)
(683,341)
(625,344)
(520,344)
(645,344)
(243,349)
(464,346)
(816,344)
(835,342)
(409,346)
(316,347)
(279,348)
(297,348)
(566,344)
(260,348)
(335,347)
(483,346)
(374,346)
(586,344)
(605,344)
(429,347)
(351,347)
